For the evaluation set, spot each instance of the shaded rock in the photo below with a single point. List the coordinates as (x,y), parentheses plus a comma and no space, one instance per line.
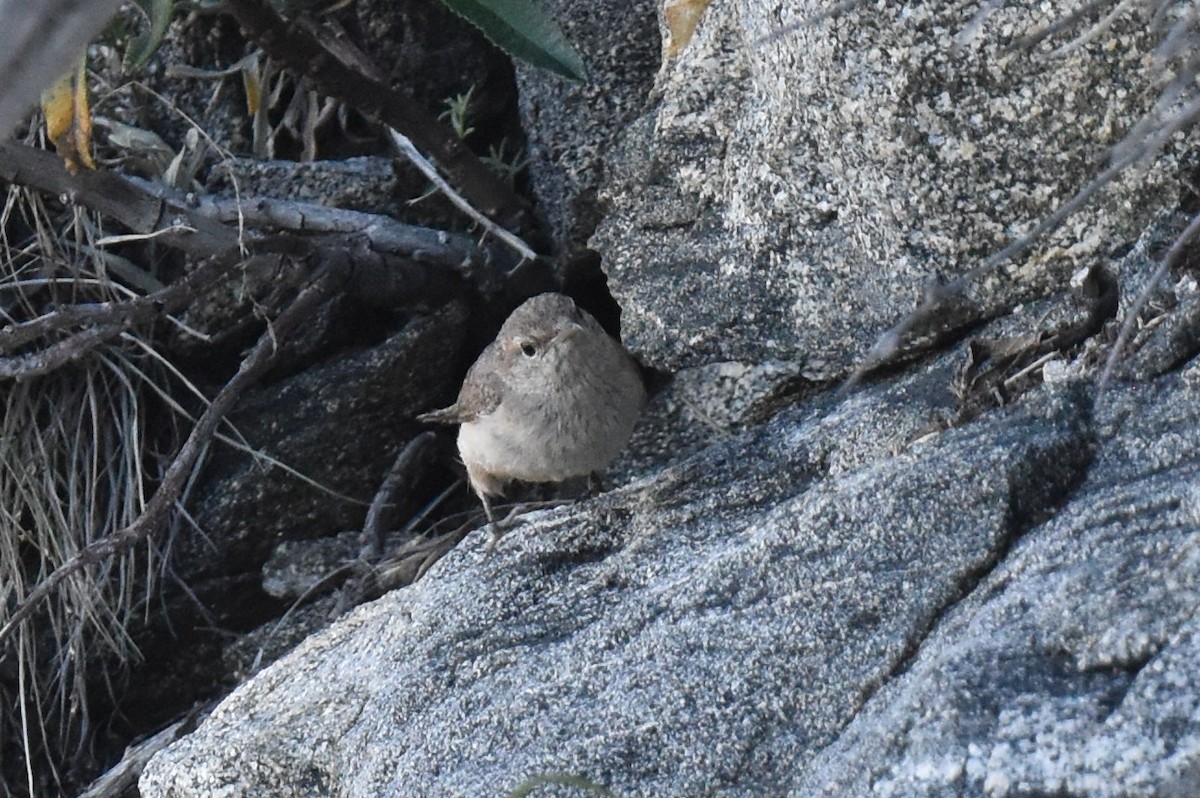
(361,184)
(571,127)
(340,424)
(790,193)
(296,567)
(250,652)
(702,406)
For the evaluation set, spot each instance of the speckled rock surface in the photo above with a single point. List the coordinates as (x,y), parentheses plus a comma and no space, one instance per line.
(571,127)
(790,194)
(1071,669)
(305,420)
(689,633)
(910,592)
(835,603)
(361,184)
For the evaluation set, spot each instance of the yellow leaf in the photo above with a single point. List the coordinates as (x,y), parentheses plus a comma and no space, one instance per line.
(252,82)
(682,18)
(68,118)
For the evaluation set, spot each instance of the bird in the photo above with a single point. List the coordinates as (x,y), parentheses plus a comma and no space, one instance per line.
(553,397)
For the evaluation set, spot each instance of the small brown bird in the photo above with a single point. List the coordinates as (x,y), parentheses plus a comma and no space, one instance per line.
(553,397)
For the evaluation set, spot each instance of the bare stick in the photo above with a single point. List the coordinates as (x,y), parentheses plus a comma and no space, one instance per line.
(1136,309)
(403,472)
(381,515)
(381,233)
(199,228)
(125,773)
(124,313)
(409,151)
(117,198)
(1143,139)
(45,360)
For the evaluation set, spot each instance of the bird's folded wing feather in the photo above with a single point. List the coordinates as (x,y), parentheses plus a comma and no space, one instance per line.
(479,396)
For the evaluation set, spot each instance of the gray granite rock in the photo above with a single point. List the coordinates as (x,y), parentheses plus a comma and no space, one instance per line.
(571,127)
(712,628)
(1071,669)
(818,607)
(360,184)
(790,193)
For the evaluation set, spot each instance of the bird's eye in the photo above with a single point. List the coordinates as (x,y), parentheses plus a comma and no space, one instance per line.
(528,348)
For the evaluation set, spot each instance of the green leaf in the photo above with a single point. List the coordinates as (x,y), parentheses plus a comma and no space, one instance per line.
(524,31)
(158,13)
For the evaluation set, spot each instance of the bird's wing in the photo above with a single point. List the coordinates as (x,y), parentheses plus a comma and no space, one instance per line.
(480,393)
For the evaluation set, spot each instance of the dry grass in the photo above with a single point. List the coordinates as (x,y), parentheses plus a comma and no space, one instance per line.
(72,470)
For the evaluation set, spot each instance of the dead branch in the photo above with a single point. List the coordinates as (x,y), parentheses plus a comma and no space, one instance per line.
(56,355)
(116,198)
(410,151)
(123,314)
(119,778)
(1135,310)
(381,516)
(382,234)
(375,257)
(1148,136)
(383,511)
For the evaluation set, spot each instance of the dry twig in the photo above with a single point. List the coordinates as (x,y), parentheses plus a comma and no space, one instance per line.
(403,473)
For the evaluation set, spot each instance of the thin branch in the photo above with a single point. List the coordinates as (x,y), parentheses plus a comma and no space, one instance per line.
(1135,310)
(403,473)
(116,198)
(125,773)
(381,233)
(199,228)
(382,515)
(409,151)
(1142,140)
(57,355)
(121,314)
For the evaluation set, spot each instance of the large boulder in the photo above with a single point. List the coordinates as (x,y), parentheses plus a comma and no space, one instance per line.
(796,188)
(819,606)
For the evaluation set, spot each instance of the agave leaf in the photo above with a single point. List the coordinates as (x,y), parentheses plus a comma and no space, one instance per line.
(158,13)
(523,30)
